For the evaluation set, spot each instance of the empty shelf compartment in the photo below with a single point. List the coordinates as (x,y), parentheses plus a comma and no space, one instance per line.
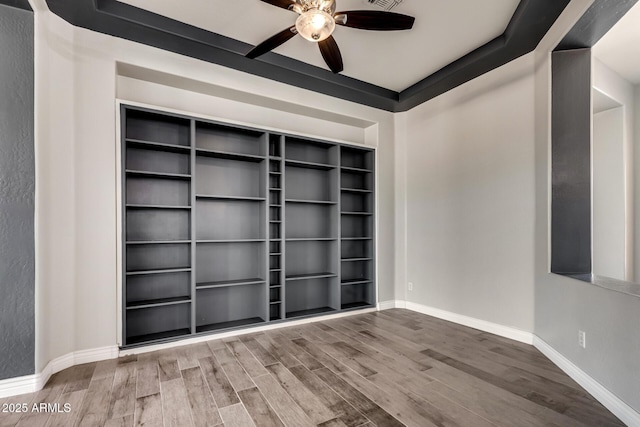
(157,191)
(228,307)
(144,288)
(310,151)
(144,159)
(306,297)
(157,323)
(161,128)
(214,176)
(356,158)
(215,137)
(311,257)
(157,225)
(357,295)
(158,257)
(229,220)
(310,221)
(220,262)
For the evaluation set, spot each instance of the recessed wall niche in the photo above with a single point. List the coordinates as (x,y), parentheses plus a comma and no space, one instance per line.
(226,227)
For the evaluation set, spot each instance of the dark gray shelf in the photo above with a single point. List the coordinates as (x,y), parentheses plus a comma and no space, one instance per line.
(160,336)
(217,197)
(355,282)
(229,156)
(308,165)
(231,241)
(355,190)
(358,170)
(229,283)
(357,238)
(311,239)
(156,242)
(355,305)
(162,271)
(136,206)
(355,259)
(161,175)
(229,325)
(158,303)
(316,202)
(357,213)
(309,312)
(310,276)
(139,143)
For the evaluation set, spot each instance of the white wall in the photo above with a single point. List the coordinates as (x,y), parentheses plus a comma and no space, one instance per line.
(470,206)
(563,305)
(609,194)
(77,86)
(612,85)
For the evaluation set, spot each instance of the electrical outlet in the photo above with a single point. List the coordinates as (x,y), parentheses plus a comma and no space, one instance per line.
(582,339)
(410,286)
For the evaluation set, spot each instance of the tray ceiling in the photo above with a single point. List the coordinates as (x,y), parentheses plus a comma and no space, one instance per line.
(452,41)
(444,31)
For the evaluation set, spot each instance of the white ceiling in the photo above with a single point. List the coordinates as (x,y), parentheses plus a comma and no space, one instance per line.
(444,31)
(619,49)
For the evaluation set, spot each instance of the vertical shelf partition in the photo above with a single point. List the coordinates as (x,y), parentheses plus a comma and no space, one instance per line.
(225,227)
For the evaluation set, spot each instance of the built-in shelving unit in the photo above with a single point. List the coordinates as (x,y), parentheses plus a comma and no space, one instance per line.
(225,226)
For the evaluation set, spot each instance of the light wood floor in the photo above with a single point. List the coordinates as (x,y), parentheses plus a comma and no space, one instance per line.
(390,368)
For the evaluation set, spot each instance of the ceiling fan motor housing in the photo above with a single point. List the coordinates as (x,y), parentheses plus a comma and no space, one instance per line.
(327,6)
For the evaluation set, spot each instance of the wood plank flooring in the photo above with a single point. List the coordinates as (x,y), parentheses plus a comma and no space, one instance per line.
(390,368)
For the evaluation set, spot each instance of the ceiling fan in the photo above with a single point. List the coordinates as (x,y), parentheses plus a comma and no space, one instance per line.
(317,21)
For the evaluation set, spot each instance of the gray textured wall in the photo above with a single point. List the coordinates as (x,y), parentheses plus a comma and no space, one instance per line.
(17,190)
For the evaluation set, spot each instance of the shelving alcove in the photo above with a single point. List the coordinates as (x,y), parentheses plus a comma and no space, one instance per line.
(225,226)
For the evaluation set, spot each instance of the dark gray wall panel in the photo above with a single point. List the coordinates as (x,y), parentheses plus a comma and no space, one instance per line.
(20,4)
(17,190)
(571,162)
(595,23)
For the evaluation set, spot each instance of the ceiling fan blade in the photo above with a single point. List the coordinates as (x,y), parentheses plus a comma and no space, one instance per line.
(375,20)
(331,54)
(272,42)
(285,4)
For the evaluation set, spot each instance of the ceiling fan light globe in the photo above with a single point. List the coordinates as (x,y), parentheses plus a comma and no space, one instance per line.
(315,25)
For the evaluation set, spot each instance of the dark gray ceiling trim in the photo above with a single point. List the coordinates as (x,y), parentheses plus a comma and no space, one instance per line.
(595,23)
(20,4)
(529,24)
(531,21)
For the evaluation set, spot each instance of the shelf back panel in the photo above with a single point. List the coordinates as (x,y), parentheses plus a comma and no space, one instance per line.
(310,257)
(308,184)
(221,305)
(229,261)
(154,127)
(158,257)
(227,139)
(310,221)
(221,177)
(139,159)
(158,286)
(155,191)
(157,224)
(229,220)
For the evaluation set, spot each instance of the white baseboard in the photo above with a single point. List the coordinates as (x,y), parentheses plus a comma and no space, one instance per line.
(493,328)
(610,401)
(388,305)
(35,382)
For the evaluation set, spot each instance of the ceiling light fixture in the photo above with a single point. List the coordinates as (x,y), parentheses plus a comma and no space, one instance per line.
(315,25)
(318,20)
